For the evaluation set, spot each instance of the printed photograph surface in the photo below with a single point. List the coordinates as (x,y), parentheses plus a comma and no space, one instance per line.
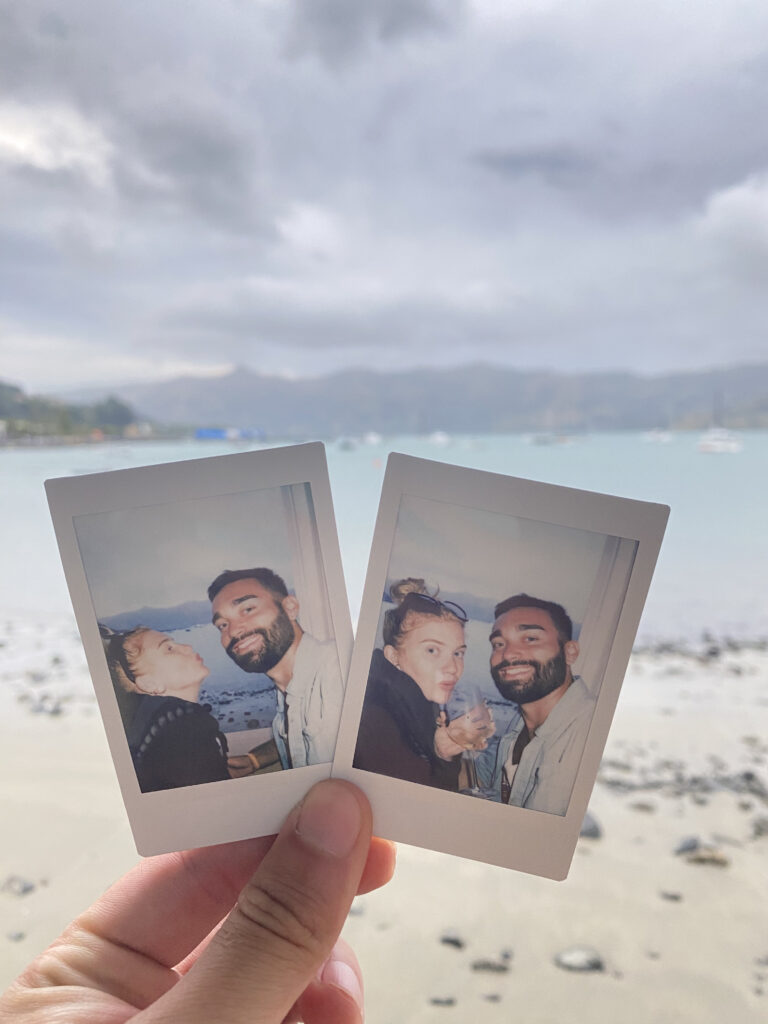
(217,632)
(209,596)
(491,644)
(495,629)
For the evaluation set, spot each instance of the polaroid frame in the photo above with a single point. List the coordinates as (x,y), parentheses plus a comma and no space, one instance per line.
(219,811)
(509,836)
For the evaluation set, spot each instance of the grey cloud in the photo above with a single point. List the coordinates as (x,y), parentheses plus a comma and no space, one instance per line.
(193,161)
(558,165)
(340,30)
(538,149)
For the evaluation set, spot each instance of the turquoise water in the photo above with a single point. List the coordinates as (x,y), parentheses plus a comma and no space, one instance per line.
(710,574)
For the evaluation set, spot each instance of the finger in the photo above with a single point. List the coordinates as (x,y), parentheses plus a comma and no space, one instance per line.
(287,919)
(166,905)
(336,994)
(378,870)
(379,865)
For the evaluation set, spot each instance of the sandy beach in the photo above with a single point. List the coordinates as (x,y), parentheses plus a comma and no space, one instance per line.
(664,910)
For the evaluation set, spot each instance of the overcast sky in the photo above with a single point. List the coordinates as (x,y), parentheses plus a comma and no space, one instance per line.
(304,185)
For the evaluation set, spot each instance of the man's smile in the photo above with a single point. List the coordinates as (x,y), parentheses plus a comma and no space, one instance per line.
(243,645)
(516,670)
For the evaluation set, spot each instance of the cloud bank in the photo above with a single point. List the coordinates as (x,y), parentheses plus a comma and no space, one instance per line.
(302,186)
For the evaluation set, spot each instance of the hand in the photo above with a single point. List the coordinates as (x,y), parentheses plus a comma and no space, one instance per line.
(154,949)
(240,765)
(472,730)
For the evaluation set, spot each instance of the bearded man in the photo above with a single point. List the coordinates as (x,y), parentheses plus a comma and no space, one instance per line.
(258,626)
(537,759)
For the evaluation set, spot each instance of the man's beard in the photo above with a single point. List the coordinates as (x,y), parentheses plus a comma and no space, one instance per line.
(277,639)
(546,677)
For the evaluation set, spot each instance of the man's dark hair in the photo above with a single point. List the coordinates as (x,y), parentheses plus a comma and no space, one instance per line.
(560,617)
(268,579)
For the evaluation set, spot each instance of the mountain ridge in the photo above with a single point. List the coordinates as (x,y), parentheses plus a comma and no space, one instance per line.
(477,398)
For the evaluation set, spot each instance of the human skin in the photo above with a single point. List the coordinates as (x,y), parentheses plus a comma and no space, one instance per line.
(258,633)
(166,667)
(164,944)
(524,645)
(431,652)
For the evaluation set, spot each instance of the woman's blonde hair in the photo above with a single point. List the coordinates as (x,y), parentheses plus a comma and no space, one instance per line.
(123,653)
(412,597)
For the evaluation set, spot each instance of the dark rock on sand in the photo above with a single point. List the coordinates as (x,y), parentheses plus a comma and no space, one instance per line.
(759,827)
(696,851)
(580,958)
(15,885)
(491,966)
(688,845)
(590,827)
(708,855)
(453,939)
(673,897)
(492,997)
(442,1001)
(16,936)
(644,806)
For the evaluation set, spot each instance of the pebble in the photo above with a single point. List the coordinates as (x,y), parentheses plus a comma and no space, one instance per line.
(688,845)
(452,938)
(492,997)
(673,897)
(46,706)
(580,958)
(759,827)
(643,806)
(16,936)
(490,966)
(590,827)
(708,855)
(442,1001)
(15,885)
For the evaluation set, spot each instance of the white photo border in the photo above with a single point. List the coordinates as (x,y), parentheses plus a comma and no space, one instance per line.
(216,812)
(532,841)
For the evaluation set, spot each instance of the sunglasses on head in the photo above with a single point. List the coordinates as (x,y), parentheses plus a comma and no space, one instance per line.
(434,605)
(114,650)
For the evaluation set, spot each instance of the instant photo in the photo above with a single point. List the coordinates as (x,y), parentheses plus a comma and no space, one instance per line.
(496,626)
(210,599)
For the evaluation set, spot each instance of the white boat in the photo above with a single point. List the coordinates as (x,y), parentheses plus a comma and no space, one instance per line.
(657,436)
(719,441)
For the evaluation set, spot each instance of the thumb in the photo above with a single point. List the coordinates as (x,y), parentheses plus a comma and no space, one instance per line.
(286,920)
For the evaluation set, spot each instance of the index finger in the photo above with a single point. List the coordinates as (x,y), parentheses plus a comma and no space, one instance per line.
(167,905)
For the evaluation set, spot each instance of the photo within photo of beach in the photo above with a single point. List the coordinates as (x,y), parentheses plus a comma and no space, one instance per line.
(492,641)
(217,633)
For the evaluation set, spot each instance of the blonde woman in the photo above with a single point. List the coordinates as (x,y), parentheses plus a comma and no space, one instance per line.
(404,731)
(174,740)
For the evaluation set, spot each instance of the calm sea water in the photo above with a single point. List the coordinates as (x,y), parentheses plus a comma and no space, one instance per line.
(710,576)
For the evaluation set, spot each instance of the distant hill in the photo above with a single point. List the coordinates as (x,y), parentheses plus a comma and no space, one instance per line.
(24,415)
(181,616)
(470,399)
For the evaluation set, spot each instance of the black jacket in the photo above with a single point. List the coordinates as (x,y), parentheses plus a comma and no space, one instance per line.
(174,743)
(397,730)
